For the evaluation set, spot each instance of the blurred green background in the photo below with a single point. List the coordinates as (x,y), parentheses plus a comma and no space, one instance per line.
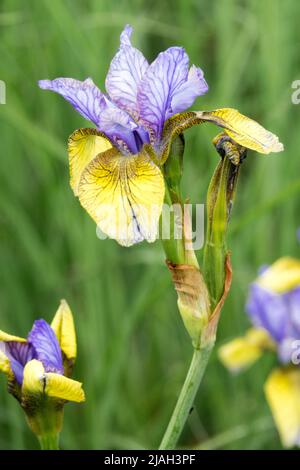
(133,350)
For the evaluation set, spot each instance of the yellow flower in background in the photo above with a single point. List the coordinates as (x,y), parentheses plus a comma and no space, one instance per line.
(274,309)
(116,170)
(38,371)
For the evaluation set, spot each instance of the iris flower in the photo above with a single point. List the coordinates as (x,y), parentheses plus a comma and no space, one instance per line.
(38,370)
(274,310)
(117,169)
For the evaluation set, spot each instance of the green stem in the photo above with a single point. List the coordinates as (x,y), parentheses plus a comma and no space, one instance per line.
(186,398)
(174,248)
(49,441)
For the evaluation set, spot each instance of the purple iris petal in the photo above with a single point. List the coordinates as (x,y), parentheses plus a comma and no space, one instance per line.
(45,344)
(294,304)
(121,128)
(168,88)
(125,73)
(88,100)
(142,97)
(18,354)
(268,310)
(85,96)
(279,314)
(185,96)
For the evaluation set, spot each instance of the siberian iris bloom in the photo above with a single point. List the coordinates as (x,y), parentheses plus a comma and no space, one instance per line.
(38,371)
(117,169)
(274,310)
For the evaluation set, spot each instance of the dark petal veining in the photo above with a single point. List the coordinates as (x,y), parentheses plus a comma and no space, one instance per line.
(167,88)
(46,346)
(125,73)
(121,128)
(93,105)
(142,97)
(19,354)
(85,96)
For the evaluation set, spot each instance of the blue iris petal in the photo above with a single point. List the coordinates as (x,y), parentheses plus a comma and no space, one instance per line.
(141,97)
(268,310)
(19,354)
(279,315)
(46,346)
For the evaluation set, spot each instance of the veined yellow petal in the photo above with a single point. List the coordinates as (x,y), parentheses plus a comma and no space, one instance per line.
(83,146)
(240,128)
(124,195)
(64,328)
(7,337)
(5,364)
(58,386)
(245,350)
(34,377)
(282,276)
(243,130)
(282,390)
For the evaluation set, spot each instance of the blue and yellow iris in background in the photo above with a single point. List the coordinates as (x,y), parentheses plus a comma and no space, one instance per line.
(274,309)
(38,371)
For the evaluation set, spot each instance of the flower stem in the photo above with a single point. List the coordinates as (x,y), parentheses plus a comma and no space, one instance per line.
(48,441)
(186,398)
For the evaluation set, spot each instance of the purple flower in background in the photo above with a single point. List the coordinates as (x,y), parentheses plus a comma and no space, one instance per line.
(274,304)
(140,97)
(41,344)
(274,309)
